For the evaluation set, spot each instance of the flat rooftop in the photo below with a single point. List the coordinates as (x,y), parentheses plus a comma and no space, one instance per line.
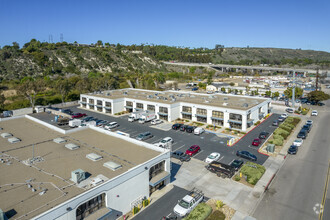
(169,97)
(22,182)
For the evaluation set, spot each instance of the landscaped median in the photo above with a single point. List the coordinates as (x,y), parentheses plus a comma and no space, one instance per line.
(279,136)
(251,173)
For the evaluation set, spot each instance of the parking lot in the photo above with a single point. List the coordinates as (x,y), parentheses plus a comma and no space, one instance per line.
(208,142)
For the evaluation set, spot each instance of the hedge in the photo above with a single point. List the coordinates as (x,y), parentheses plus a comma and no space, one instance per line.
(217,215)
(200,212)
(253,172)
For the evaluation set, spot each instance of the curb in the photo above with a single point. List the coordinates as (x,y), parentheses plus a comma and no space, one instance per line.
(250,131)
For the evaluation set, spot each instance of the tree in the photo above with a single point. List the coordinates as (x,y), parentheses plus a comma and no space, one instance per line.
(2,101)
(268,93)
(63,87)
(223,89)
(318,96)
(99,43)
(276,94)
(231,84)
(29,88)
(298,92)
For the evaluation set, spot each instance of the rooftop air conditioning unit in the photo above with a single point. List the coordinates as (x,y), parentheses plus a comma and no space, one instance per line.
(225,104)
(72,146)
(245,105)
(78,175)
(6,135)
(59,140)
(94,157)
(225,98)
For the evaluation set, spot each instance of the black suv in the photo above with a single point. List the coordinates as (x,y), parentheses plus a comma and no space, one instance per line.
(180,156)
(302,134)
(307,127)
(176,126)
(263,135)
(190,129)
(237,164)
(246,155)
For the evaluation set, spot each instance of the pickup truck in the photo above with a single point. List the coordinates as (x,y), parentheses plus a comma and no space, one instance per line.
(188,203)
(221,169)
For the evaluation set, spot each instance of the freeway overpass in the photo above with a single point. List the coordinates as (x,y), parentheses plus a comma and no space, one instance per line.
(244,69)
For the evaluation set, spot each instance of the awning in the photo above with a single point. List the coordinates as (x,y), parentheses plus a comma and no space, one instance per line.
(99,106)
(202,116)
(83,102)
(107,107)
(130,107)
(158,178)
(90,104)
(162,113)
(234,121)
(215,118)
(186,113)
(139,109)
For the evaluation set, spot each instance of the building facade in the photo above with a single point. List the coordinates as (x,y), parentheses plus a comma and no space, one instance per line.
(230,111)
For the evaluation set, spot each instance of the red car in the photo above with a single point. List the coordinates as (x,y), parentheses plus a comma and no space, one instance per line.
(256,142)
(193,150)
(78,115)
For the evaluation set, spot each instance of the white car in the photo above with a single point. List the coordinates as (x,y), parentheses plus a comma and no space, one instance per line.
(156,121)
(314,113)
(212,157)
(298,142)
(309,122)
(165,142)
(284,115)
(198,130)
(111,125)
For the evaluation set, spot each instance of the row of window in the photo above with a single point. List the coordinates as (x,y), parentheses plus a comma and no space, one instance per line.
(149,107)
(98,102)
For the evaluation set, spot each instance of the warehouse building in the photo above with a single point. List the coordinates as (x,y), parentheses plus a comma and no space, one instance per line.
(73,174)
(230,111)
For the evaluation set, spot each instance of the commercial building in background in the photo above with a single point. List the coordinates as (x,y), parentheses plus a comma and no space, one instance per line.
(50,173)
(230,111)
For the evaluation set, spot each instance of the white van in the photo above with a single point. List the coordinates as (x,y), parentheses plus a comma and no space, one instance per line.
(198,130)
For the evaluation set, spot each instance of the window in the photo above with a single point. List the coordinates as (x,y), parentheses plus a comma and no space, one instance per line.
(139,105)
(217,114)
(156,169)
(163,109)
(217,122)
(91,101)
(91,206)
(235,117)
(186,109)
(108,104)
(186,116)
(128,103)
(201,111)
(151,108)
(84,99)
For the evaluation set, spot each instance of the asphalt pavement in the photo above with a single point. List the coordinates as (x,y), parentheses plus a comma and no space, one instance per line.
(208,142)
(299,188)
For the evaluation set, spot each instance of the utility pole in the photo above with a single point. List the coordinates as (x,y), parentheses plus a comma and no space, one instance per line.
(317,79)
(293,88)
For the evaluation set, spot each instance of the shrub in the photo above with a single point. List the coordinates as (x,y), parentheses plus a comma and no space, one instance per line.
(257,123)
(201,212)
(135,210)
(253,172)
(217,215)
(237,178)
(227,129)
(282,132)
(278,142)
(220,204)
(277,136)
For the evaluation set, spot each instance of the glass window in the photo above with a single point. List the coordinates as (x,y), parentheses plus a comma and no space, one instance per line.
(108,104)
(91,101)
(128,103)
(217,114)
(139,105)
(201,111)
(163,109)
(91,206)
(186,109)
(151,108)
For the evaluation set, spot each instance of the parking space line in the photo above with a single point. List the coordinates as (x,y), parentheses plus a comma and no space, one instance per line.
(231,161)
(198,153)
(180,147)
(157,140)
(221,158)
(252,147)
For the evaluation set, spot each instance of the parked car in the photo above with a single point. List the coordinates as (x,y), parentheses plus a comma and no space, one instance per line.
(256,142)
(190,129)
(314,113)
(284,115)
(307,127)
(309,122)
(320,104)
(212,157)
(102,123)
(111,125)
(176,126)
(89,118)
(199,131)
(293,149)
(144,136)
(237,164)
(281,119)
(246,155)
(302,134)
(183,127)
(194,149)
(66,111)
(98,122)
(275,123)
(289,110)
(194,89)
(180,156)
(156,121)
(298,142)
(78,115)
(165,142)
(263,135)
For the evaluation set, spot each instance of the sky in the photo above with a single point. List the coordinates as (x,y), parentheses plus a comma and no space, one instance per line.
(205,23)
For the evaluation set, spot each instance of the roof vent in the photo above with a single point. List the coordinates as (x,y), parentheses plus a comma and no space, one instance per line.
(225,104)
(6,135)
(225,98)
(94,157)
(108,94)
(78,175)
(72,146)
(112,165)
(14,140)
(59,140)
(245,105)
